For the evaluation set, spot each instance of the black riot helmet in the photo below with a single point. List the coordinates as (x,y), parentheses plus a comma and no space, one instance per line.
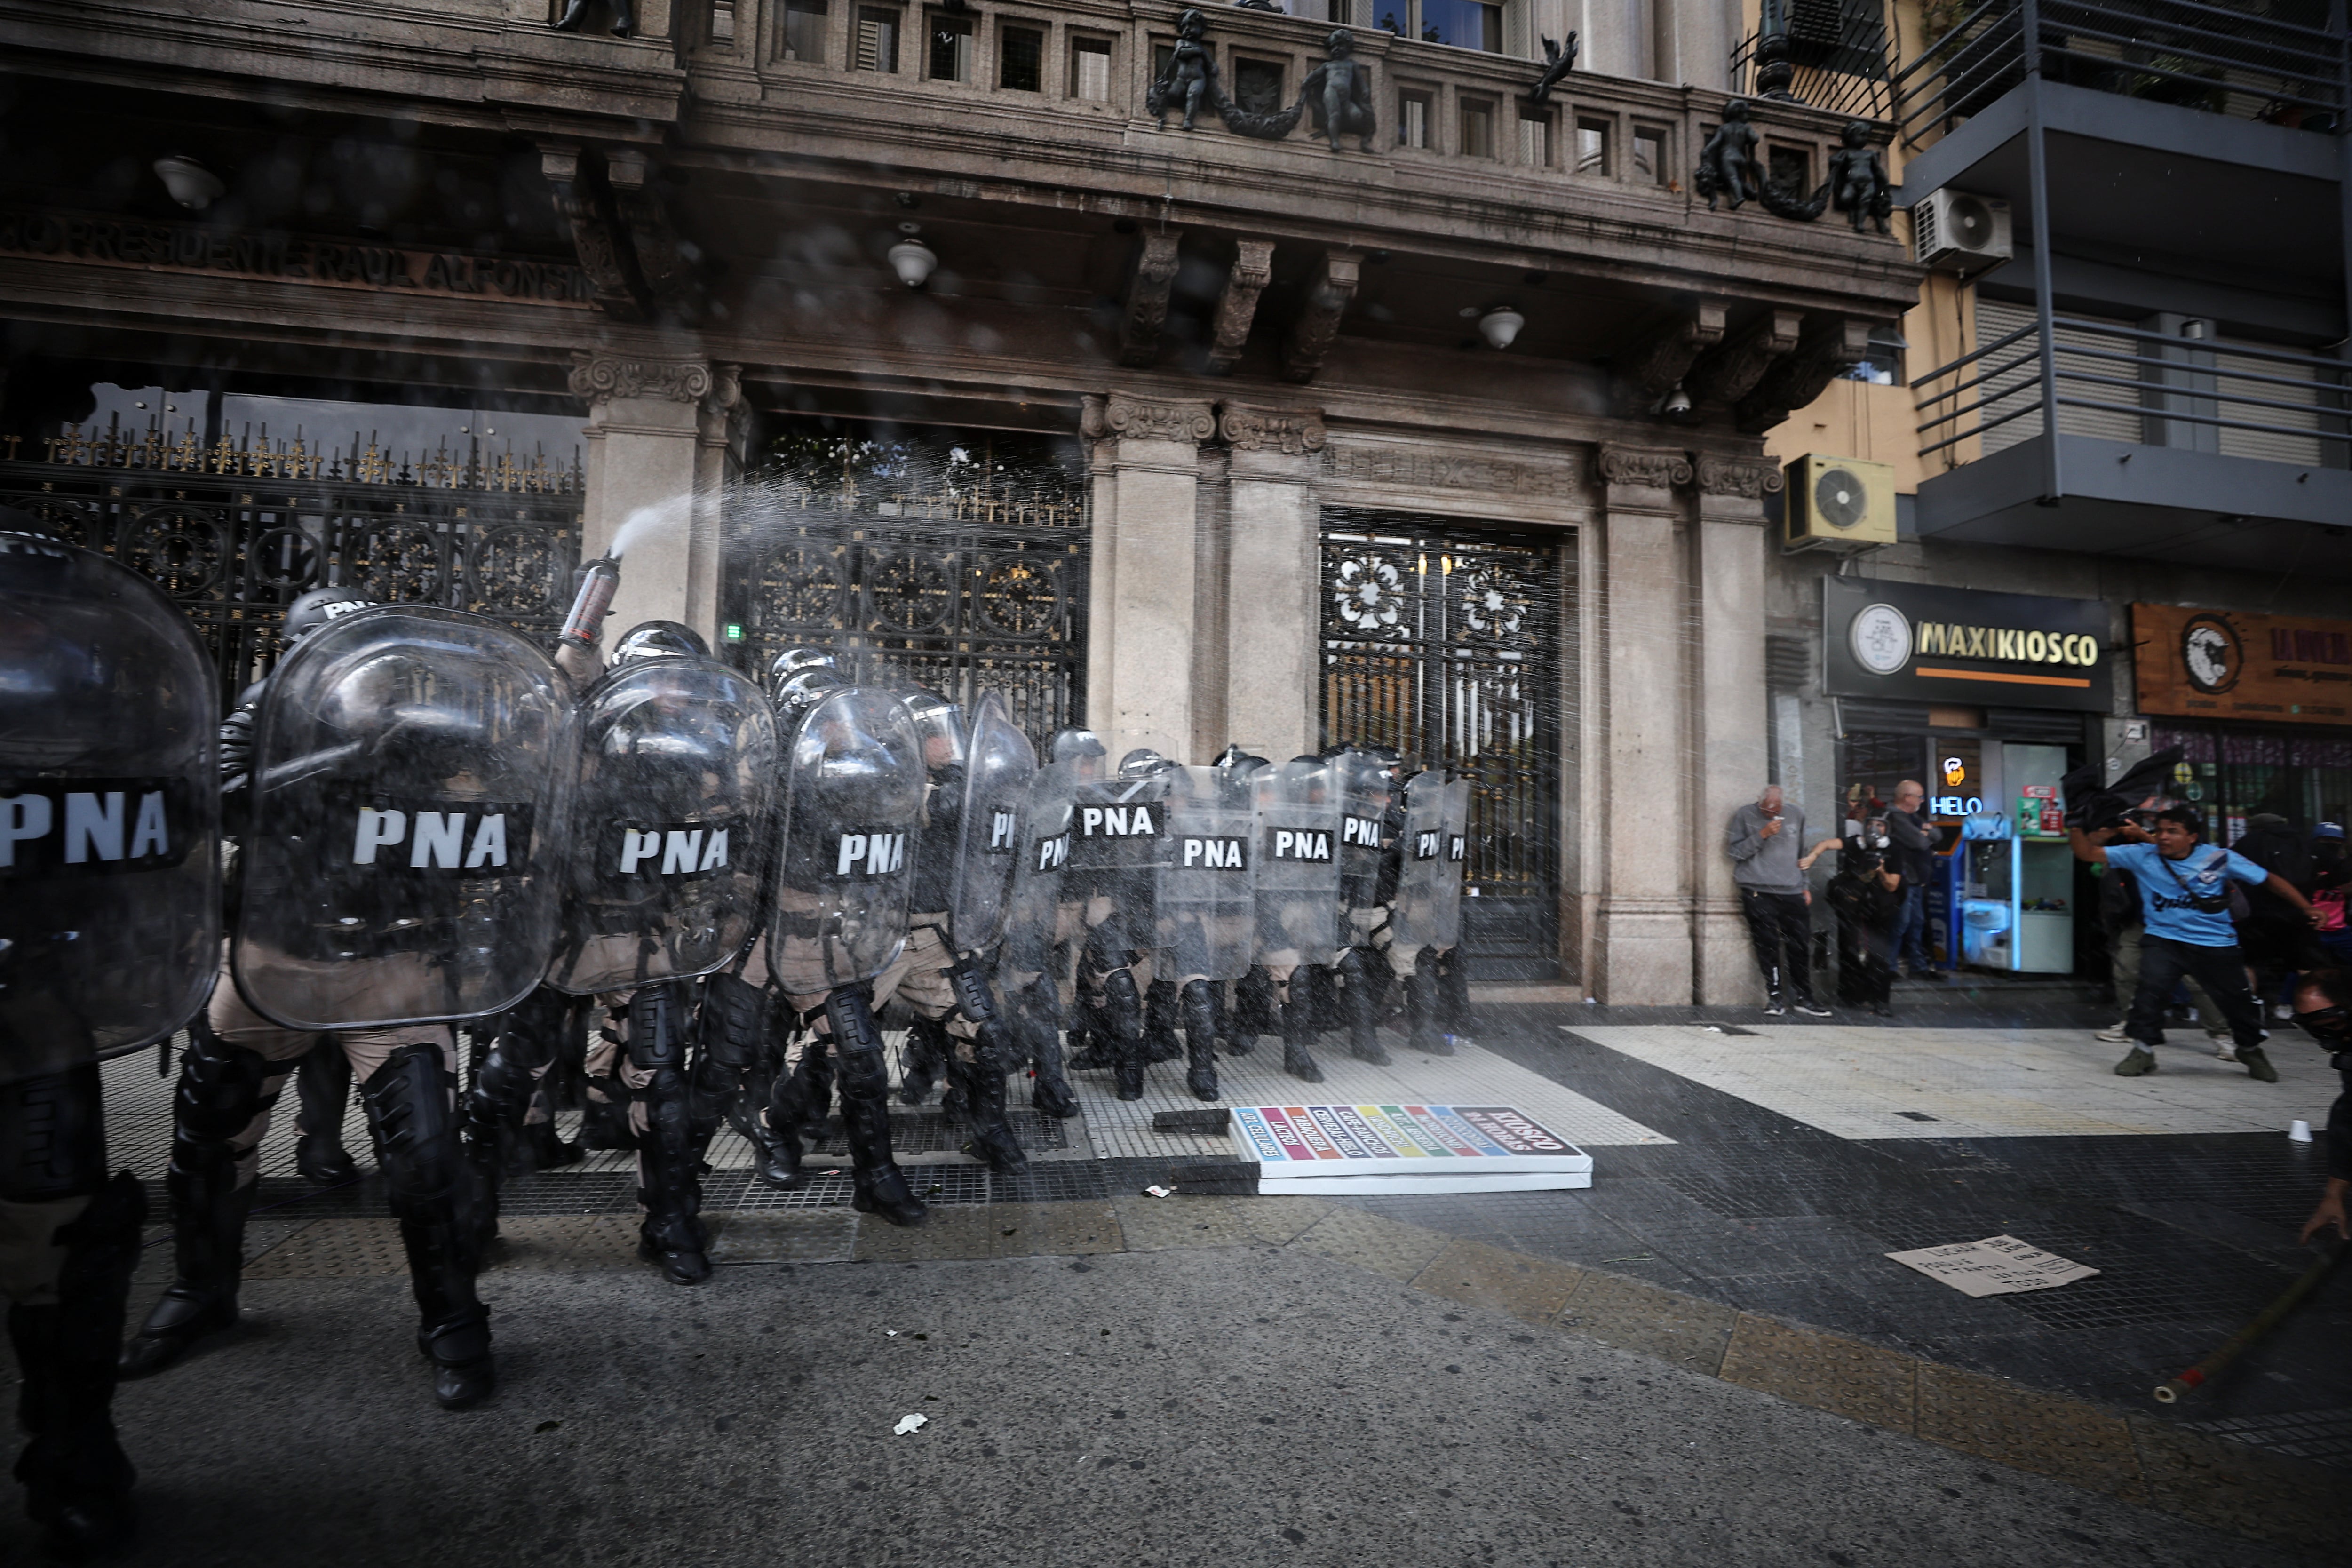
(656,639)
(1141,762)
(1080,753)
(792,660)
(803,690)
(319,605)
(940,726)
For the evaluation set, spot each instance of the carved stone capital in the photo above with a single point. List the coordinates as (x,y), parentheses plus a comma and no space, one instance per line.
(1750,478)
(1248,428)
(603,376)
(1647,468)
(1147,299)
(1135,419)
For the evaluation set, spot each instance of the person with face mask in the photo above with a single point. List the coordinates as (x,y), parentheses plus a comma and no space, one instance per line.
(2320,1007)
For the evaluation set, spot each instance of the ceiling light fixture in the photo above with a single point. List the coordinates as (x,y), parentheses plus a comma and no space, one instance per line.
(911,260)
(1500,326)
(192,184)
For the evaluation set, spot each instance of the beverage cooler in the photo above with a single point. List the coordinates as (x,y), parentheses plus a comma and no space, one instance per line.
(2018,884)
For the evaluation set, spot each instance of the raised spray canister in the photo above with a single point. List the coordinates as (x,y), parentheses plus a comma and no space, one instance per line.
(599,581)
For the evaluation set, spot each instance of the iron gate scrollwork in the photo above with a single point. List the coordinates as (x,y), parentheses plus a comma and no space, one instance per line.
(1444,643)
(942,565)
(241,531)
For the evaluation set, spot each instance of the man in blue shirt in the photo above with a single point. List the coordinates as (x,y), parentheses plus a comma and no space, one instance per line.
(2184,893)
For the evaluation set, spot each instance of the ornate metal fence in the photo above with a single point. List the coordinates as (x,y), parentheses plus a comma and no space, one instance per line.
(1445,643)
(237,531)
(935,565)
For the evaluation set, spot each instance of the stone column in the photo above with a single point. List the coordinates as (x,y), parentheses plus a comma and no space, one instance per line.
(660,436)
(1272,572)
(1728,566)
(1642,943)
(1140,654)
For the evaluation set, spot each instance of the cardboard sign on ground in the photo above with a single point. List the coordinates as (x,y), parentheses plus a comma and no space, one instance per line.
(1340,1149)
(1998,1265)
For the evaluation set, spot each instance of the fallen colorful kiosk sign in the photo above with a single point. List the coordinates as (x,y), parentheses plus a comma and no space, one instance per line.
(1339,1149)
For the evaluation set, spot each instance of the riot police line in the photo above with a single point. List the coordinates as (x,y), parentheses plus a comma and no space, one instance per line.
(420,822)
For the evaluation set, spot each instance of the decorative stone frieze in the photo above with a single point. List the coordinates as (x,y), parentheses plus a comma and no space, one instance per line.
(1415,467)
(1647,468)
(1248,429)
(1750,479)
(603,376)
(1136,419)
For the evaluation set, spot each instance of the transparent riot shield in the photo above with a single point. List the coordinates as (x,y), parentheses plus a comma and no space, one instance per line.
(672,800)
(1297,810)
(1033,912)
(1445,930)
(1429,883)
(997,773)
(853,804)
(1119,834)
(1367,785)
(1206,905)
(411,771)
(109,810)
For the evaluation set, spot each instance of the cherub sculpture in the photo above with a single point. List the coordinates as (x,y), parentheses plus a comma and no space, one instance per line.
(1558,63)
(1726,165)
(624,17)
(1858,186)
(1189,73)
(1338,92)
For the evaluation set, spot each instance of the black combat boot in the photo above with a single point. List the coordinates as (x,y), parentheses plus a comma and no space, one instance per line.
(1360,1005)
(1198,1004)
(880,1186)
(1161,1043)
(925,1056)
(1123,1009)
(1297,1028)
(76,1479)
(991,1139)
(1253,1014)
(1454,996)
(776,1157)
(543,1147)
(323,1086)
(428,1190)
(218,1094)
(1421,1013)
(1035,1025)
(604,1116)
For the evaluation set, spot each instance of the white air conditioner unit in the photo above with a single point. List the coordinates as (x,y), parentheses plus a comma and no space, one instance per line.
(1838,504)
(1953,231)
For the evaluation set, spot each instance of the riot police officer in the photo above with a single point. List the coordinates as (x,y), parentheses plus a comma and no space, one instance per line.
(1424,932)
(836,941)
(662,884)
(109,935)
(1117,833)
(1372,818)
(1298,813)
(964,858)
(1028,965)
(1205,909)
(397,863)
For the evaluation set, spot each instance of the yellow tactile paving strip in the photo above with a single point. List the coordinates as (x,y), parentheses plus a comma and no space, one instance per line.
(2134,1458)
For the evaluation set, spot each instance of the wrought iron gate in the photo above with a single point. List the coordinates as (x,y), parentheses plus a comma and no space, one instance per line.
(1444,643)
(926,571)
(234,532)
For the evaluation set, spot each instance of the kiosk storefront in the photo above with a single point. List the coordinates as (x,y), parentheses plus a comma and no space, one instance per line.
(2262,705)
(1988,700)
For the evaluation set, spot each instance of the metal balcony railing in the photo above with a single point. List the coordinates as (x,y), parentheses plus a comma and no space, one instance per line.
(2283,61)
(2142,387)
(1834,53)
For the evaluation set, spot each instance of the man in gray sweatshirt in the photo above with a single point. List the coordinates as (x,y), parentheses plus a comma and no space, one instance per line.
(1766,842)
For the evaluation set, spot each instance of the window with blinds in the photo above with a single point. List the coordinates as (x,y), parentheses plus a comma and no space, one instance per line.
(877,44)
(1090,69)
(2022,388)
(2273,446)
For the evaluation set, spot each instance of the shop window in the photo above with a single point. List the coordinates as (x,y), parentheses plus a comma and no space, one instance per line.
(1535,140)
(1478,128)
(1465,24)
(805,26)
(877,42)
(1592,147)
(1650,165)
(1090,69)
(1021,60)
(1414,110)
(1257,85)
(951,48)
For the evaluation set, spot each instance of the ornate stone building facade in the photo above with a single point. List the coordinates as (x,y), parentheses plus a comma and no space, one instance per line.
(1453,441)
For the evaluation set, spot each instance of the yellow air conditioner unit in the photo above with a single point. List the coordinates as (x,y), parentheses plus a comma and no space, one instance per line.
(1838,503)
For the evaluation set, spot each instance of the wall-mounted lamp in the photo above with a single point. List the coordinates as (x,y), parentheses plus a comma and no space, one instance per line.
(1500,327)
(192,184)
(1676,409)
(911,260)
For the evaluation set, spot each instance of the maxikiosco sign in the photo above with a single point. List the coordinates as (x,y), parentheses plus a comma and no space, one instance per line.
(1905,640)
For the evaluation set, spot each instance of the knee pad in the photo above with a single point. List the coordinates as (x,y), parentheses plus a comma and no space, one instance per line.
(734,1022)
(856,1044)
(219,1090)
(657,1027)
(52,1137)
(972,997)
(1122,1004)
(407,1102)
